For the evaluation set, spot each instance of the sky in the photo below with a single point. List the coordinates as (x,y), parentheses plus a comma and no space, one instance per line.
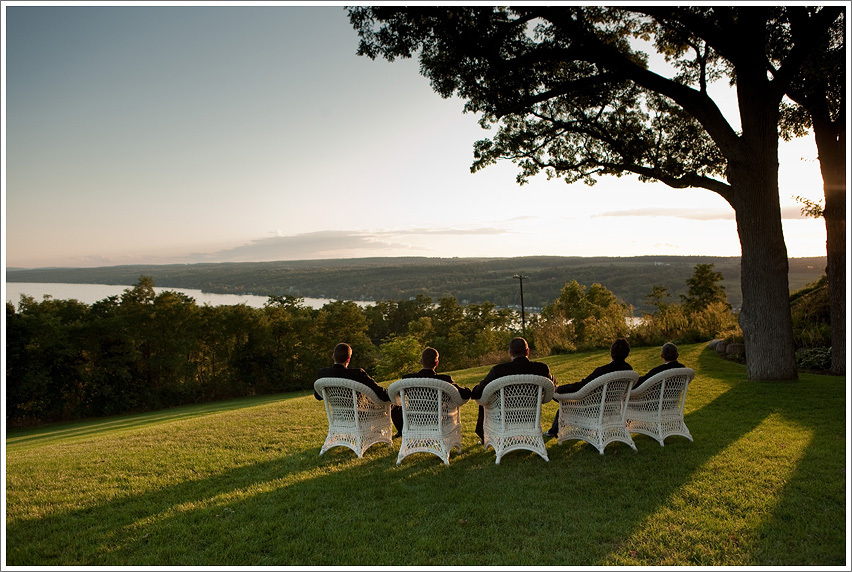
(159,134)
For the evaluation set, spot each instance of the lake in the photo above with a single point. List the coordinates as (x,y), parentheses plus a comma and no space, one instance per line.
(91,293)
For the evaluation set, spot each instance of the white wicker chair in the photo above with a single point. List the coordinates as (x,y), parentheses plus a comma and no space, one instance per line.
(512,413)
(430,414)
(357,418)
(656,406)
(596,413)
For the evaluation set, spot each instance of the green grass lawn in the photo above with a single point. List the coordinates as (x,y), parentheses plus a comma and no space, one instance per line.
(242,483)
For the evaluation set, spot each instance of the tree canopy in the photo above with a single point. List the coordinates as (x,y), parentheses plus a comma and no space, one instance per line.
(704,288)
(572,94)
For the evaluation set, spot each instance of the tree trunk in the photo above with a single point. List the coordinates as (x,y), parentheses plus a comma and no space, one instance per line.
(832,161)
(765,315)
(753,175)
(835,227)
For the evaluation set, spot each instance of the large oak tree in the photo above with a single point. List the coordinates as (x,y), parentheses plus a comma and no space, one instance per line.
(572,95)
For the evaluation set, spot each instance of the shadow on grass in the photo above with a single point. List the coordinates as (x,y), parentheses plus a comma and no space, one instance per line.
(806,525)
(141,528)
(303,509)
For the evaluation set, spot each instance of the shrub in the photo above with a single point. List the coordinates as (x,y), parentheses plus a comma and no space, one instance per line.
(667,323)
(811,315)
(674,323)
(582,318)
(550,338)
(814,358)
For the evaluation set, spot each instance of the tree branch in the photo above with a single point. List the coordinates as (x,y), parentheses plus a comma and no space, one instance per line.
(697,104)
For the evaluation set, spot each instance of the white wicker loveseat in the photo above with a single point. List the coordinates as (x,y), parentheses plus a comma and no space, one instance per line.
(512,413)
(656,407)
(430,414)
(596,412)
(357,418)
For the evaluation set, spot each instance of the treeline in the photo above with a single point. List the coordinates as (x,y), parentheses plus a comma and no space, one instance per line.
(144,351)
(469,280)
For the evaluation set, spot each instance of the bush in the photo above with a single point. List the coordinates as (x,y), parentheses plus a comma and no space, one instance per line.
(581,318)
(714,320)
(551,338)
(673,323)
(814,358)
(811,314)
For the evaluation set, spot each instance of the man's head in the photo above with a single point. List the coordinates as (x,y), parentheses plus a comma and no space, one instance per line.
(429,358)
(342,353)
(620,349)
(669,352)
(518,348)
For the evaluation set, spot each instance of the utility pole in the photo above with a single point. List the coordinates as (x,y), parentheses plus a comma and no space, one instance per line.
(523,318)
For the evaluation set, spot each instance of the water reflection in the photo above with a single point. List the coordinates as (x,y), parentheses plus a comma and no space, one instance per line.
(91,293)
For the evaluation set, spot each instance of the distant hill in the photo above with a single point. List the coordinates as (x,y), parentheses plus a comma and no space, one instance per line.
(470,280)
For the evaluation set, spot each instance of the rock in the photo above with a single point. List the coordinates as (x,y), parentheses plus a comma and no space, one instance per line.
(735,350)
(721,346)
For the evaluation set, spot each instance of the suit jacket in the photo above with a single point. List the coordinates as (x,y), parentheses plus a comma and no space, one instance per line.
(359,375)
(612,366)
(670,365)
(519,365)
(426,372)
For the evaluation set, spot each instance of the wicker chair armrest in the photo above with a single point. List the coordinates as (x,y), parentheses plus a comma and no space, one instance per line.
(448,389)
(594,384)
(654,380)
(348,383)
(501,382)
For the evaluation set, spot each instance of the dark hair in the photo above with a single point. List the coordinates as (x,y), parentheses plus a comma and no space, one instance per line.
(620,349)
(669,351)
(429,357)
(342,353)
(518,347)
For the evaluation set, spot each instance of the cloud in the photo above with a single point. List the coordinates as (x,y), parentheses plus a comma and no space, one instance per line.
(306,246)
(321,244)
(335,244)
(787,213)
(449,231)
(692,214)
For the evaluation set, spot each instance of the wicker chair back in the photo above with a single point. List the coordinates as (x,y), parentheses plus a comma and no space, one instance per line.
(430,413)
(357,418)
(656,407)
(596,412)
(512,413)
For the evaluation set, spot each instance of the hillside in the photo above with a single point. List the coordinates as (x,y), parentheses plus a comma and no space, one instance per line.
(470,280)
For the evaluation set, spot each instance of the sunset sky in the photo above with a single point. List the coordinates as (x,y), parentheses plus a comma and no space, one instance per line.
(180,134)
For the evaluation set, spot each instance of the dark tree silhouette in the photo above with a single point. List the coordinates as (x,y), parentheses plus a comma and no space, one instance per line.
(820,90)
(571,94)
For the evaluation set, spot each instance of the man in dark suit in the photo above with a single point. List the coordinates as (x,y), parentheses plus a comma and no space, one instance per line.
(618,351)
(519,351)
(342,355)
(669,354)
(429,361)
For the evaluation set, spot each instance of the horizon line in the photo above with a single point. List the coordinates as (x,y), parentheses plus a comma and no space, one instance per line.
(380,258)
